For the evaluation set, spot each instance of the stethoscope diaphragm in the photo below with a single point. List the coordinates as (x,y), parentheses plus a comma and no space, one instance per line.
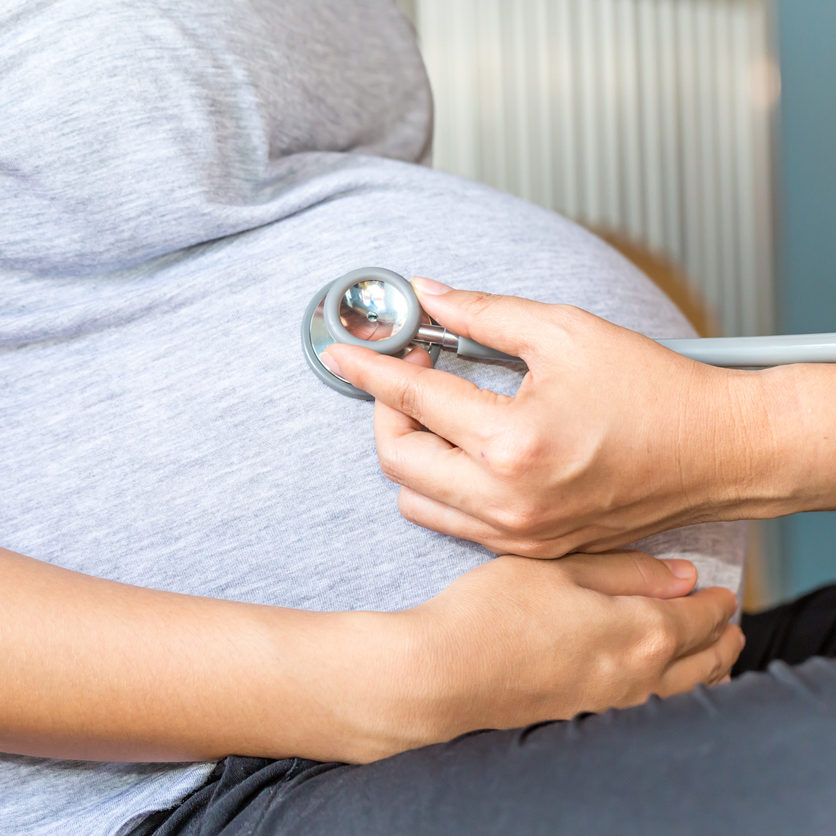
(371,307)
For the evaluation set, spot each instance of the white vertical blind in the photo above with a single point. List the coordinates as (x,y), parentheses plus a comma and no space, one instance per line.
(650,117)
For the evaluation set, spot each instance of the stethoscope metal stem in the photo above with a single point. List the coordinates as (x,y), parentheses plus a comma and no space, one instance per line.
(463,346)
(437,335)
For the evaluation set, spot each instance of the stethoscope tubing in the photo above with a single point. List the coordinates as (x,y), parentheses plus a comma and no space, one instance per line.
(757,352)
(728,352)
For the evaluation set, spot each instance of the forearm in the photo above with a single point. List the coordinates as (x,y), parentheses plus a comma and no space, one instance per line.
(777,453)
(98,670)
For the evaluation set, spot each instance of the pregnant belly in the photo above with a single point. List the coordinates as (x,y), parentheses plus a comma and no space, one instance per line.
(175,438)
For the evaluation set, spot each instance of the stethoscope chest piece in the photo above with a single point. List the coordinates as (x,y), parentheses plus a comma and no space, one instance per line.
(371,307)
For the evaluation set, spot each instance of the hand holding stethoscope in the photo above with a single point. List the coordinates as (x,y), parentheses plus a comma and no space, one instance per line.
(610,437)
(378,309)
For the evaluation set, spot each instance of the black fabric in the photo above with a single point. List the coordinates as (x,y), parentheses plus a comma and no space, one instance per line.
(792,633)
(757,755)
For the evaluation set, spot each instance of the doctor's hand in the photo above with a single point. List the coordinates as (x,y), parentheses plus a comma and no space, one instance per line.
(519,641)
(610,437)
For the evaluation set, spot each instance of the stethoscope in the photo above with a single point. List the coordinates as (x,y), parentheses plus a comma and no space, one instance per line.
(378,309)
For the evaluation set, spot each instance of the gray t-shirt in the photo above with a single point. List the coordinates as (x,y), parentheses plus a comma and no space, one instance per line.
(177,178)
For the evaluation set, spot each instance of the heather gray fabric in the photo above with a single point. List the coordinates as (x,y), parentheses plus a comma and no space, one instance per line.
(175,182)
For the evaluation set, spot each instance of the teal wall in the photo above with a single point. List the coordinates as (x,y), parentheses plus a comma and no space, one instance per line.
(806,180)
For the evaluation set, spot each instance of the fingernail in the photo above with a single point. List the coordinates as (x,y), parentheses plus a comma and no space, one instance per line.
(330,362)
(429,286)
(681,568)
(415,354)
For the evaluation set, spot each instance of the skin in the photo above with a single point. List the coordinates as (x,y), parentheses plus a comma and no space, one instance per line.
(609,439)
(94,669)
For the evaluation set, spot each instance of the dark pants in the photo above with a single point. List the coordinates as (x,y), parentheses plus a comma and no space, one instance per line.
(757,755)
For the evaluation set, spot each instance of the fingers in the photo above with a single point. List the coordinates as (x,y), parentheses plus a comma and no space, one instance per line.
(450,406)
(432,467)
(503,322)
(388,422)
(696,622)
(632,573)
(437,516)
(419,357)
(706,667)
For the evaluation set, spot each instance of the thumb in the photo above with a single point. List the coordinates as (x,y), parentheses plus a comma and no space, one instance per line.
(632,573)
(503,322)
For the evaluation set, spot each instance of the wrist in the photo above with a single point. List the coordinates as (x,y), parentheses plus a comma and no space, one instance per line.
(727,451)
(764,458)
(427,694)
(365,692)
(802,421)
(411,689)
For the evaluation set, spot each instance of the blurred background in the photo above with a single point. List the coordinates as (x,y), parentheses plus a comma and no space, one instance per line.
(696,135)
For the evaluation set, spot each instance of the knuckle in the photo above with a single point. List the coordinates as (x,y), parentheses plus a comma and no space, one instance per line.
(729,650)
(720,616)
(504,518)
(480,301)
(608,668)
(660,647)
(626,685)
(569,316)
(718,666)
(408,399)
(643,568)
(543,550)
(517,518)
(503,461)
(659,642)
(731,604)
(391,464)
(511,458)
(723,601)
(407,506)
(410,392)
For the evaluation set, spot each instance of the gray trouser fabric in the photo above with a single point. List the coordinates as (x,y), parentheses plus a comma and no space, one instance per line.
(757,755)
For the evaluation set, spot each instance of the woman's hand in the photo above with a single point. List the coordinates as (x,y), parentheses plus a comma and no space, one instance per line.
(98,670)
(609,439)
(518,641)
